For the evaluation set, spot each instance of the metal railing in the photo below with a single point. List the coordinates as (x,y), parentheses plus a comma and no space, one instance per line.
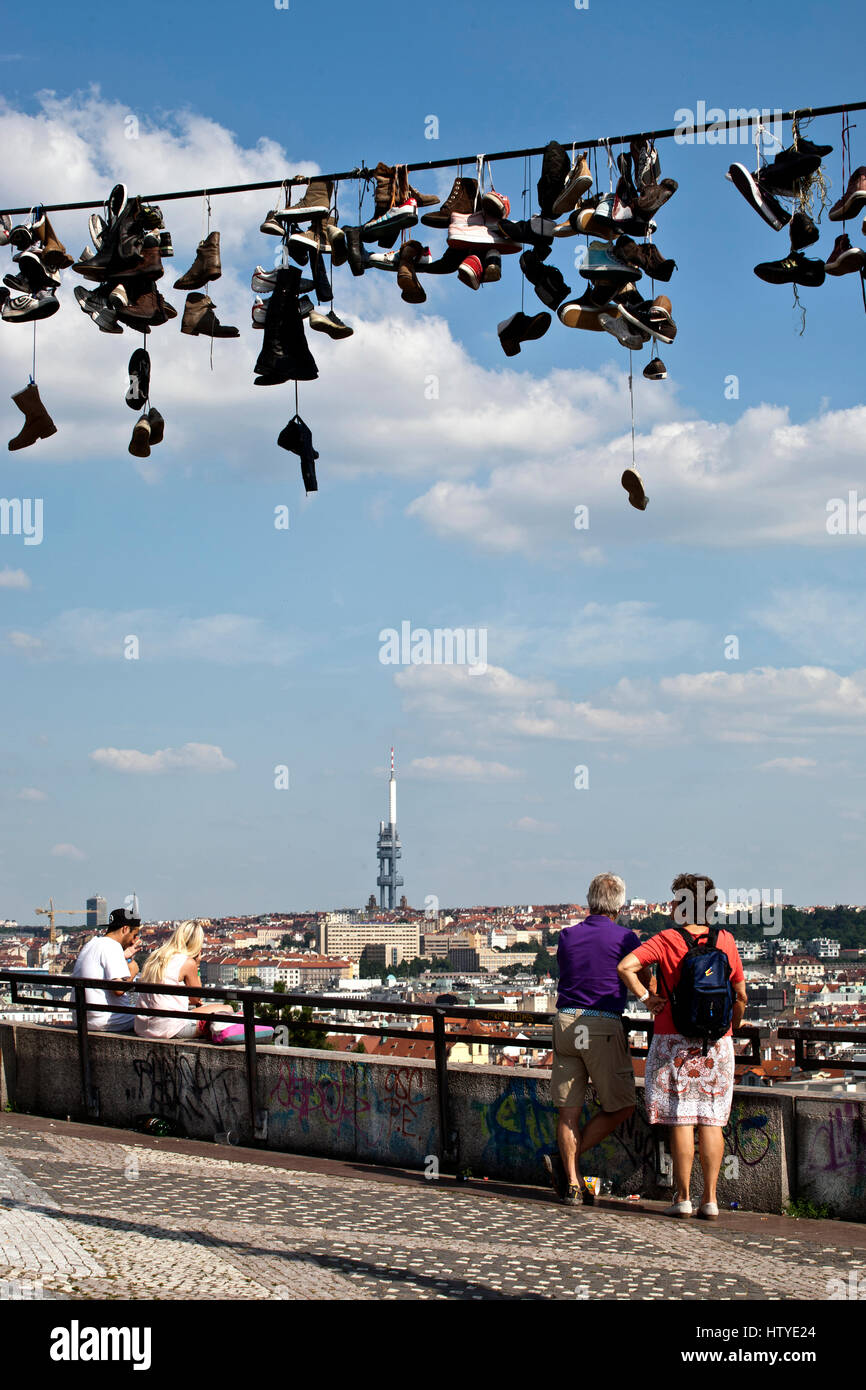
(439,1015)
(802,1037)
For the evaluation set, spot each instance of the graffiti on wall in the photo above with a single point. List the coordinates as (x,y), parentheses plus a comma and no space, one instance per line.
(837,1148)
(184,1087)
(385,1110)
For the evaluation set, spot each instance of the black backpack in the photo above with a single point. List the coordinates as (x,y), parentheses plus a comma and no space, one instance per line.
(702,1000)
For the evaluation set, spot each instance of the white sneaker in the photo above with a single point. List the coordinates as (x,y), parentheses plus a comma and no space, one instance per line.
(709,1212)
(679,1209)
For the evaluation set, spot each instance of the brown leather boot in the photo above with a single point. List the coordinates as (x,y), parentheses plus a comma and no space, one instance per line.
(199,319)
(424,200)
(408,258)
(54,255)
(461,199)
(205,267)
(38,424)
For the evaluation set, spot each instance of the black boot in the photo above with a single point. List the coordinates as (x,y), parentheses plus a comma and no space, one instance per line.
(285,355)
(555,168)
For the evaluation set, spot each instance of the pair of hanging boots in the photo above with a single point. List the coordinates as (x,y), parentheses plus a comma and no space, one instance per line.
(285,354)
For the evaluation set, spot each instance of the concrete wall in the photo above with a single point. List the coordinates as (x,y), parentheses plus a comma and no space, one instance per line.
(777,1145)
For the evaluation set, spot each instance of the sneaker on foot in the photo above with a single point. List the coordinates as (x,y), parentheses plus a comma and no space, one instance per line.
(709,1211)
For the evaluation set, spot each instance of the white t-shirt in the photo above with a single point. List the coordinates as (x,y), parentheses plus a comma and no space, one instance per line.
(103,959)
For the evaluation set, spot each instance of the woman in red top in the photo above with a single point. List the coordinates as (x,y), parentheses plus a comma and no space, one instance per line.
(684,1087)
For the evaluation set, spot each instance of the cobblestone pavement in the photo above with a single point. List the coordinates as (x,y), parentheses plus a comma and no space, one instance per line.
(100,1218)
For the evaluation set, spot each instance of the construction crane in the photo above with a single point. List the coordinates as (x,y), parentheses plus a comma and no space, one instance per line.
(51,912)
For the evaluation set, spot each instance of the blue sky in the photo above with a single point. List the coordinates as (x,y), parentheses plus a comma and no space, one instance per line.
(260,647)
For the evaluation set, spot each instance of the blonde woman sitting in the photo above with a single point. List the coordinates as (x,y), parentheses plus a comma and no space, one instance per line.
(175,963)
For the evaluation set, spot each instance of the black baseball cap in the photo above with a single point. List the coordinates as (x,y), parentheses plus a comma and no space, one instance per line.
(122,917)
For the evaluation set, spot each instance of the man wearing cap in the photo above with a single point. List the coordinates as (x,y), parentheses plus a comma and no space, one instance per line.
(108,957)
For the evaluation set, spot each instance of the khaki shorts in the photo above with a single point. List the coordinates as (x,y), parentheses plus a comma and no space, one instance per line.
(604,1060)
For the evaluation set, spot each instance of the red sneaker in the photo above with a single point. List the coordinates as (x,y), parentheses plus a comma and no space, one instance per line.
(496,205)
(471,272)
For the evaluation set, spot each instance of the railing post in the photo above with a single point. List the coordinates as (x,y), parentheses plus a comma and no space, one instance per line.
(91,1106)
(251,1063)
(446,1140)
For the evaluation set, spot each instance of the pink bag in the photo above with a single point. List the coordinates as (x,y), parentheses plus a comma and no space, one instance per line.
(226,1031)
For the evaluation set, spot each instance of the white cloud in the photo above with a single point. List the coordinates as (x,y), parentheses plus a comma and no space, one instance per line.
(761,705)
(14,579)
(192,757)
(67,852)
(24,641)
(456,767)
(31,794)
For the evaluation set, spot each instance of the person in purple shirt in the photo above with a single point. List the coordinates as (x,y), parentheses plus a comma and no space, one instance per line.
(589,1043)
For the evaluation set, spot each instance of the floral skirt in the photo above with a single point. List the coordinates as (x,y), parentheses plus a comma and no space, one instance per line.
(685,1088)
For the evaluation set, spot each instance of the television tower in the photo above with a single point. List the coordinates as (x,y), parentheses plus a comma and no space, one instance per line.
(388,848)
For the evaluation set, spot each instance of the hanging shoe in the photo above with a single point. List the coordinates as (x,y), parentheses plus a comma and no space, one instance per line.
(633,484)
(38,424)
(495,205)
(622,329)
(756,193)
(205,267)
(653,197)
(5,228)
(794,269)
(537,232)
(651,318)
(462,198)
(845,259)
(335,238)
(302,242)
(578,182)
(492,268)
(423,200)
(645,162)
(157,427)
(316,202)
(578,313)
(546,280)
(355,253)
(33,272)
(803,231)
(655,370)
(555,169)
(285,354)
(852,199)
(593,218)
(98,307)
(297,439)
(788,170)
(28,308)
(520,328)
(199,319)
(139,380)
(645,257)
(139,444)
(602,262)
(394,219)
(408,256)
(272,226)
(330,324)
(53,254)
(471,271)
(96,225)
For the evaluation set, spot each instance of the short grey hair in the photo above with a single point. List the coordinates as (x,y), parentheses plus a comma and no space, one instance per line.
(606,894)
